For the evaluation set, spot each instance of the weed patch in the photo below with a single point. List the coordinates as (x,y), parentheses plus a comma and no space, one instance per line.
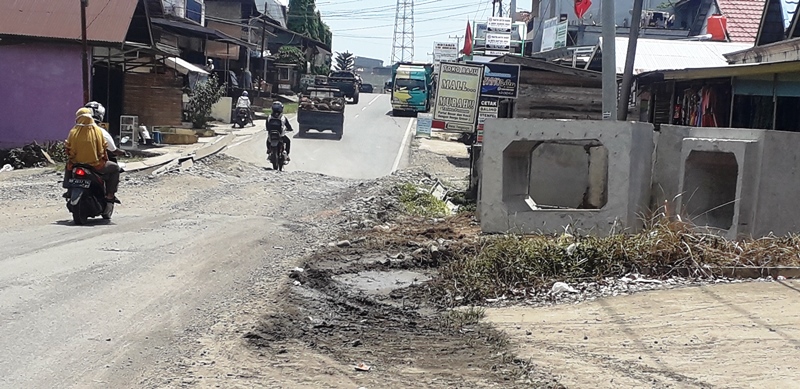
(505,263)
(419,202)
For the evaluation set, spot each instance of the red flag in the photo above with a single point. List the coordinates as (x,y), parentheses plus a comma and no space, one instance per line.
(467,50)
(581,6)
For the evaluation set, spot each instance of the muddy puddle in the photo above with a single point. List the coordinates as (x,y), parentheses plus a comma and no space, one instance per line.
(359,307)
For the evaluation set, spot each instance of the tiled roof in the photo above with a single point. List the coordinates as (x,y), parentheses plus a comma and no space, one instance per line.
(107,20)
(744,18)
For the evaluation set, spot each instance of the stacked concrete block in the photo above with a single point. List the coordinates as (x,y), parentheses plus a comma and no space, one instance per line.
(734,182)
(544,175)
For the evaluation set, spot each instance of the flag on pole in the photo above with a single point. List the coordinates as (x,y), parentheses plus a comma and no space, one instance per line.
(467,50)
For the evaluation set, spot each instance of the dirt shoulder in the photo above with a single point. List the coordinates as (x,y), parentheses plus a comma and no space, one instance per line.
(714,336)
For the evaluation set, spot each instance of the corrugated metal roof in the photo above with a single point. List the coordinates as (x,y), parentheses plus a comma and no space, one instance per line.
(106,20)
(657,54)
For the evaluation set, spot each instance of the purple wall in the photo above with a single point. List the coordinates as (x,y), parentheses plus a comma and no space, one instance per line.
(40,90)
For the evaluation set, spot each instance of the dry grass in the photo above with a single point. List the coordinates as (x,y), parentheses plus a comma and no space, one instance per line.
(508,262)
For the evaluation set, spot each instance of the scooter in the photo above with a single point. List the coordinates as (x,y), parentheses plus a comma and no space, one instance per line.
(242,117)
(87,195)
(277,150)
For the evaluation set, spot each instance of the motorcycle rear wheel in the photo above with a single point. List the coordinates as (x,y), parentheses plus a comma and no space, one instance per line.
(79,215)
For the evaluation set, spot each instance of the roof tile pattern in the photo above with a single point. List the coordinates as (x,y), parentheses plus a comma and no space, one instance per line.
(744,18)
(106,20)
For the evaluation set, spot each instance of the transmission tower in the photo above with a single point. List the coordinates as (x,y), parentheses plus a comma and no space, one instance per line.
(403,42)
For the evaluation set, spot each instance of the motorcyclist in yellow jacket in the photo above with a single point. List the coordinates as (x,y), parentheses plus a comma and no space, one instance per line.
(86,145)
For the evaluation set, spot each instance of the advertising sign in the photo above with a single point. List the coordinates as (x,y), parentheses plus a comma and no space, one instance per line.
(445,52)
(424,125)
(489,108)
(498,42)
(554,35)
(457,95)
(497,24)
(500,80)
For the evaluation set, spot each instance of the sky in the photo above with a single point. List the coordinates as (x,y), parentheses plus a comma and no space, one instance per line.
(365,27)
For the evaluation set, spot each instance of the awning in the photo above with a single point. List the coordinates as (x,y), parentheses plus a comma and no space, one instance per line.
(723,71)
(183,66)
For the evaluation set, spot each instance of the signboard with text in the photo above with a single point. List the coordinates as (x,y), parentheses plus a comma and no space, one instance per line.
(488,108)
(500,25)
(500,80)
(445,52)
(424,125)
(457,95)
(554,35)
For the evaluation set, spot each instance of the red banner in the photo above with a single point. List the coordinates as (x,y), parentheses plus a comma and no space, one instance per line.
(581,6)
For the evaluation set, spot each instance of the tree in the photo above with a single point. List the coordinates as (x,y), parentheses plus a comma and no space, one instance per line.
(205,95)
(292,55)
(304,19)
(345,61)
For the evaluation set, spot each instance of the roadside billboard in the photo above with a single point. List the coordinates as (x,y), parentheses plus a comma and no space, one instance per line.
(554,35)
(458,91)
(500,80)
(445,52)
(489,107)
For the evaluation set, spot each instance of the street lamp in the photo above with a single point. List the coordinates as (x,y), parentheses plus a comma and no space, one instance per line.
(85,54)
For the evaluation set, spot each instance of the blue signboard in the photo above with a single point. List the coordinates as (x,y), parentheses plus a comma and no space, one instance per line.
(500,80)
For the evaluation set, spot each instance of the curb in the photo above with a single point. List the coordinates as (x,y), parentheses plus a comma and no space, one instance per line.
(170,161)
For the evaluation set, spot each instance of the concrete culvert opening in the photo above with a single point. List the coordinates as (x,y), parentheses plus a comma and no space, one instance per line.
(709,188)
(569,175)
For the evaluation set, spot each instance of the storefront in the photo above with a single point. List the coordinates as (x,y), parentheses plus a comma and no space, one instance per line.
(757,96)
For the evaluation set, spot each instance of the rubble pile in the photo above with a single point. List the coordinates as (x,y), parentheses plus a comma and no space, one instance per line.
(324,104)
(28,156)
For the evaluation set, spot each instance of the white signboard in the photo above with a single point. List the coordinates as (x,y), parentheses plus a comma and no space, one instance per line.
(445,52)
(424,124)
(457,95)
(498,42)
(554,35)
(496,24)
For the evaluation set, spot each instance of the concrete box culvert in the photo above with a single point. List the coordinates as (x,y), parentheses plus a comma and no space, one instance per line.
(615,177)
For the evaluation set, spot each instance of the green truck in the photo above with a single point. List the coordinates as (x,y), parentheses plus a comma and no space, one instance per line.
(412,87)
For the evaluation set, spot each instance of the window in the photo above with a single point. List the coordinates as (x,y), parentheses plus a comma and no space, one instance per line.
(283,74)
(409,85)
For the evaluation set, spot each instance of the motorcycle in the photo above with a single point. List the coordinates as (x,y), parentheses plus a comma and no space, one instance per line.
(87,195)
(277,150)
(242,117)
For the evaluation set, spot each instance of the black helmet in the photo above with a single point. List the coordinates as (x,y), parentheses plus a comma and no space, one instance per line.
(277,107)
(98,111)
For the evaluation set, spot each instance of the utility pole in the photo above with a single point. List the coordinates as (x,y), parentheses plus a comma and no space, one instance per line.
(85,54)
(609,61)
(513,11)
(627,75)
(458,40)
(263,42)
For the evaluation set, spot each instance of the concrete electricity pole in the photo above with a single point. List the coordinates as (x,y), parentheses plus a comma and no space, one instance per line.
(609,61)
(627,75)
(513,11)
(458,40)
(85,54)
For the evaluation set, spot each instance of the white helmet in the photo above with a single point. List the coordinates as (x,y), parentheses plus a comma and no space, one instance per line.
(98,111)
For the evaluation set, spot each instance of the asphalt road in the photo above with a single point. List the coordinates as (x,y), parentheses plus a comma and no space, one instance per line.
(111,304)
(374,143)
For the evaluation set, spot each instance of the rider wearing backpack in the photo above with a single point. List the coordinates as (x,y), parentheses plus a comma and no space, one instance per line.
(278,122)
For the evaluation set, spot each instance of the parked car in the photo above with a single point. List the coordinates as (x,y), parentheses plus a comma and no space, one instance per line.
(366,88)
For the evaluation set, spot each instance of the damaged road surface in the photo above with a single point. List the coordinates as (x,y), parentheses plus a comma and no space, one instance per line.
(115,304)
